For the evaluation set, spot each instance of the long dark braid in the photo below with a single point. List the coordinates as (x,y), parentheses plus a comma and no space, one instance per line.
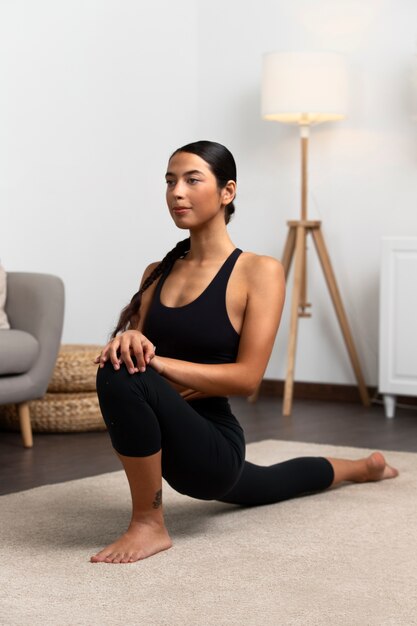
(130,315)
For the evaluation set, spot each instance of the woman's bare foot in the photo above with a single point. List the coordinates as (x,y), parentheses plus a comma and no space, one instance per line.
(377,468)
(141,540)
(371,468)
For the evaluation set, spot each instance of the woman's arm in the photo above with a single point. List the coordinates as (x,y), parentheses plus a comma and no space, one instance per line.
(265,299)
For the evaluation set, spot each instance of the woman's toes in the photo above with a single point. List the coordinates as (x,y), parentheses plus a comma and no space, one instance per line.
(390,472)
(126,558)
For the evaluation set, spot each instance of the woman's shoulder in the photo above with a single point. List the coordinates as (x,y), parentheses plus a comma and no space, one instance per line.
(148,271)
(263,276)
(150,268)
(255,265)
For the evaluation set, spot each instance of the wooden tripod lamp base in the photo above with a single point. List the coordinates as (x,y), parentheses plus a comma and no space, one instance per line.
(305,89)
(295,247)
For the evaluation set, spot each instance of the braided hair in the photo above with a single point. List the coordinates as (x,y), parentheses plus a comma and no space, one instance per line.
(223,166)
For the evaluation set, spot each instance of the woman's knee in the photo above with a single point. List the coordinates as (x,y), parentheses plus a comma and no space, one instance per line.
(118,385)
(131,422)
(111,382)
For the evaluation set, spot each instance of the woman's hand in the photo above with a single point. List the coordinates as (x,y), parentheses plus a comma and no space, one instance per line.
(121,349)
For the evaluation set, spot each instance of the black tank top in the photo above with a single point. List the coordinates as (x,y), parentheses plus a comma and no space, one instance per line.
(200,331)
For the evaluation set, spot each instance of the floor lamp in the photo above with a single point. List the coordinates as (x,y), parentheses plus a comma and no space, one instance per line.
(307,89)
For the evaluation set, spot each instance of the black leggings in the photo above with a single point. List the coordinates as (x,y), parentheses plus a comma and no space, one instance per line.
(203,446)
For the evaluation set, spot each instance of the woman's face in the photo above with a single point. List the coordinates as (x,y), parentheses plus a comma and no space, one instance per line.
(193,196)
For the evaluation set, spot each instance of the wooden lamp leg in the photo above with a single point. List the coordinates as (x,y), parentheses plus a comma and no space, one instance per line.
(296,296)
(340,312)
(289,248)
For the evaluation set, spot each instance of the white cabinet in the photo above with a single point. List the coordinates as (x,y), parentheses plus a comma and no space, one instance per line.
(398,320)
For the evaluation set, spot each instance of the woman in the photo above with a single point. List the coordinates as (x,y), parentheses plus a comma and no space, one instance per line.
(213,312)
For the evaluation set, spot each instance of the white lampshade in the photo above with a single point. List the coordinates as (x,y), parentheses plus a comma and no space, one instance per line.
(304,87)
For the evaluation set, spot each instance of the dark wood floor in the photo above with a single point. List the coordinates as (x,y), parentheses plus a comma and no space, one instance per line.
(60,457)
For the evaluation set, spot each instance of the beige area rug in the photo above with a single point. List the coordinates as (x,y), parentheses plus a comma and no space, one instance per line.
(344,557)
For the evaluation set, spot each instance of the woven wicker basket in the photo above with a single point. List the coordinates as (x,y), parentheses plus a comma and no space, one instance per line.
(58,412)
(74,369)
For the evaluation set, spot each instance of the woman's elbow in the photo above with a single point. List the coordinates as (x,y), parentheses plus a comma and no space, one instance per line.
(251,389)
(248,386)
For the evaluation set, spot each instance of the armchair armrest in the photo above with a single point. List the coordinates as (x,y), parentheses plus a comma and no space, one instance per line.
(35,303)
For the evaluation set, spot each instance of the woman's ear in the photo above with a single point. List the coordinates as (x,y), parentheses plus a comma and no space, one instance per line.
(228,192)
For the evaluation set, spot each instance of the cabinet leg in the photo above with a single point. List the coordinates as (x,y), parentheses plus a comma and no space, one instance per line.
(389,404)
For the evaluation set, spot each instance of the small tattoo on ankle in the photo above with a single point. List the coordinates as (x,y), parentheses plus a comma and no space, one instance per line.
(158,500)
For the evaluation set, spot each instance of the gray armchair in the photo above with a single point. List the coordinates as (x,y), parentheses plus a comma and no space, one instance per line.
(28,351)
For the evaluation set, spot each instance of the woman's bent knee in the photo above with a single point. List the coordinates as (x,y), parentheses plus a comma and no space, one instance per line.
(109,380)
(120,384)
(130,420)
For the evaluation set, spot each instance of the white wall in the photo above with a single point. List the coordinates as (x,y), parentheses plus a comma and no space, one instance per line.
(94,96)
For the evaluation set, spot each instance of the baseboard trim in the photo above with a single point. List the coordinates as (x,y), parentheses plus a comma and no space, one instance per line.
(331,392)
